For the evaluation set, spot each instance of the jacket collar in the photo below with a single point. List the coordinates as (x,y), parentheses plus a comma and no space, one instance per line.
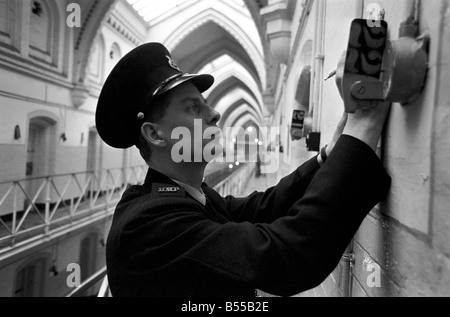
(153,176)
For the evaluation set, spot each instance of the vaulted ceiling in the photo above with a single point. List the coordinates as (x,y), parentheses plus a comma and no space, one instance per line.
(225,38)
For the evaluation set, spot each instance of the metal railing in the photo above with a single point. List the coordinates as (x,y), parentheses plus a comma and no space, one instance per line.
(33,208)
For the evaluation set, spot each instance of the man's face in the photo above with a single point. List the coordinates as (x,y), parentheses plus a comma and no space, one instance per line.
(189,110)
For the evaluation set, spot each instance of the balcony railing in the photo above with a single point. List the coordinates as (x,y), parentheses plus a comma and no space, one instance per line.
(34,208)
(100,276)
(236,182)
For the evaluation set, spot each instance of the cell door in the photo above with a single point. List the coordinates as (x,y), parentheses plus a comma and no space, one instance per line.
(94,160)
(32,168)
(40,149)
(29,281)
(31,150)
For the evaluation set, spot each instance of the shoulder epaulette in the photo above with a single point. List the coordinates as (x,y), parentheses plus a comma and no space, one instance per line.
(167,190)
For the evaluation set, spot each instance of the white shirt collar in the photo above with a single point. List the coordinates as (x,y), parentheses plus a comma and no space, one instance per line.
(197,194)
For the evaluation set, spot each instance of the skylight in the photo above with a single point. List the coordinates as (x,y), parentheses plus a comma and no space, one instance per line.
(152,9)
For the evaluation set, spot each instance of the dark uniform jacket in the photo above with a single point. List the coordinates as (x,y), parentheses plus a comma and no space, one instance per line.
(163,243)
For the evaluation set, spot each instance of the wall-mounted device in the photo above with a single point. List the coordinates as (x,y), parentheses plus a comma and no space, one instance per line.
(406,65)
(363,64)
(313,141)
(298,120)
(377,69)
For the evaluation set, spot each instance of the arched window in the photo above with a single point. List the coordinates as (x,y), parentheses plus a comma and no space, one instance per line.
(97,62)
(302,95)
(114,53)
(30,278)
(43,31)
(114,56)
(4,10)
(7,16)
(303,92)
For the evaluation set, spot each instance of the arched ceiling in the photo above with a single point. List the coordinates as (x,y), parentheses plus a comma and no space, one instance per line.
(214,42)
(237,110)
(221,37)
(84,36)
(247,120)
(226,87)
(250,124)
(225,38)
(225,104)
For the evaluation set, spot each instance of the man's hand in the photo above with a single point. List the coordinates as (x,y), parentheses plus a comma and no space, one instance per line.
(367,126)
(363,125)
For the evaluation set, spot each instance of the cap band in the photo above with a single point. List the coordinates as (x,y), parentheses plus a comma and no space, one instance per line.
(165,82)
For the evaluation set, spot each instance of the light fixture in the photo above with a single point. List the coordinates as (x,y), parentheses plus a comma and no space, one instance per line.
(37,8)
(17,133)
(54,269)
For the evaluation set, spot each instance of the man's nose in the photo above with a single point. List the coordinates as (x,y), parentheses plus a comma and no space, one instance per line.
(213,117)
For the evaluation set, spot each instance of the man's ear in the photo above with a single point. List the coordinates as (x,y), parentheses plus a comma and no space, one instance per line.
(153,134)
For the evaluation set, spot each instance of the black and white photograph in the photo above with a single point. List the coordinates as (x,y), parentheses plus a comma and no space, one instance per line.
(225,155)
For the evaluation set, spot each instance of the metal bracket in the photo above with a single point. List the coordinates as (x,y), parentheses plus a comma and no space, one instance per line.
(368,90)
(403,71)
(349,258)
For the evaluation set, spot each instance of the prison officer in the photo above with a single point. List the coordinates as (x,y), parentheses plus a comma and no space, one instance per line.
(174,236)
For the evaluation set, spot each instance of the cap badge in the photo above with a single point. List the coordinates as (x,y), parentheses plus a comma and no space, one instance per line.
(172,63)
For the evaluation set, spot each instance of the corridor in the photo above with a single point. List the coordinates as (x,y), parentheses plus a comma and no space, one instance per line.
(277,66)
